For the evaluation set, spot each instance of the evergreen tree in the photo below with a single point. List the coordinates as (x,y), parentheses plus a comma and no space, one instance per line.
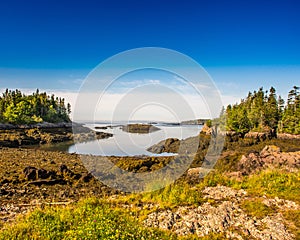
(17,108)
(263,111)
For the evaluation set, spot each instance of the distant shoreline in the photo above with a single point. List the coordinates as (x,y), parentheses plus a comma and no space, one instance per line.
(8,126)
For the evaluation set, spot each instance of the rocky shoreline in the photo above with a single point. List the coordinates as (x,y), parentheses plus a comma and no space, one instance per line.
(31,178)
(45,133)
(254,135)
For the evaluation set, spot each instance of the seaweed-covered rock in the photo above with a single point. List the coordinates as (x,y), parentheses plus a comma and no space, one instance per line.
(170,145)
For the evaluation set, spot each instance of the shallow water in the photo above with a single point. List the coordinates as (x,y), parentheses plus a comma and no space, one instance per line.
(126,144)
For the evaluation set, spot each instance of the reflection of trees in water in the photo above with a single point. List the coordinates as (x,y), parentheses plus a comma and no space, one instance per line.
(63,147)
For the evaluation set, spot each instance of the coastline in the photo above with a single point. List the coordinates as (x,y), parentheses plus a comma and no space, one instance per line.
(34,179)
(45,133)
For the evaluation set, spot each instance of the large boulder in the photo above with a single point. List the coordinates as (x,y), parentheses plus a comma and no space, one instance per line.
(170,145)
(33,173)
(270,156)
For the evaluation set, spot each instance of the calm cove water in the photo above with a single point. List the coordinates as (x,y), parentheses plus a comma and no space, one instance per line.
(126,144)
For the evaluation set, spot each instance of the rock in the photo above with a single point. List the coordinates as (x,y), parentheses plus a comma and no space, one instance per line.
(223,192)
(42,173)
(30,173)
(170,145)
(206,129)
(250,163)
(219,218)
(281,203)
(198,172)
(47,182)
(87,177)
(102,135)
(97,127)
(288,136)
(262,136)
(270,156)
(64,170)
(33,173)
(269,150)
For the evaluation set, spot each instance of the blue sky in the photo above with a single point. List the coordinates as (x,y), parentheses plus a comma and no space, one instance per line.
(243,45)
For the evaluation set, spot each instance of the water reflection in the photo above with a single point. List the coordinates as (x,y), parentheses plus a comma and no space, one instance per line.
(123,143)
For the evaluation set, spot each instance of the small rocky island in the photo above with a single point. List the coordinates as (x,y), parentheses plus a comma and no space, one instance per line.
(140,128)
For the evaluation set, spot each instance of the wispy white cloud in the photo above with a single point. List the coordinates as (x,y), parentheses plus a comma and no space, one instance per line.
(106,106)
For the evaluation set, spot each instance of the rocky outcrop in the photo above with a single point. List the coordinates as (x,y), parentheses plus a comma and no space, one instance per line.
(223,192)
(206,129)
(224,216)
(288,136)
(261,135)
(47,133)
(7,126)
(91,135)
(32,173)
(170,145)
(270,156)
(267,133)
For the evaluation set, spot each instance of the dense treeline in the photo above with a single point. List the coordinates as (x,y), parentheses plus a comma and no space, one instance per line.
(18,108)
(263,111)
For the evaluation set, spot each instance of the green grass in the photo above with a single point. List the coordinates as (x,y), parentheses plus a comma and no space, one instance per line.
(292,218)
(255,208)
(174,195)
(89,219)
(107,219)
(270,182)
(273,183)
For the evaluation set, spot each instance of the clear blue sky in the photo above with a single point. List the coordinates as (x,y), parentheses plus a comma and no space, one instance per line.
(243,44)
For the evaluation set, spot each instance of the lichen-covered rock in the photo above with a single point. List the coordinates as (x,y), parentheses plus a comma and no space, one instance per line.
(225,217)
(223,192)
(270,156)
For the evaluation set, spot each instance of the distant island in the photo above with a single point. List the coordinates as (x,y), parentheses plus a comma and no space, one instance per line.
(139,128)
(194,122)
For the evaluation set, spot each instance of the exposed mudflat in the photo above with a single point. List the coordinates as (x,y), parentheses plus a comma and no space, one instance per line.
(30,177)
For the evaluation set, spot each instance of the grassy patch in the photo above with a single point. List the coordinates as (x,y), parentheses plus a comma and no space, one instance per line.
(273,183)
(174,195)
(293,222)
(256,208)
(89,219)
(171,196)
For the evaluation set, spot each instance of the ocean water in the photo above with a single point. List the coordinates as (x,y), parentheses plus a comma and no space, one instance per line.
(127,144)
